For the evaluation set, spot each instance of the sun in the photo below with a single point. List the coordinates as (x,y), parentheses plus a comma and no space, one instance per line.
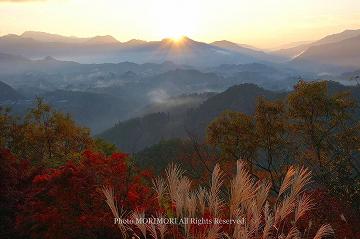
(177,38)
(173,19)
(174,27)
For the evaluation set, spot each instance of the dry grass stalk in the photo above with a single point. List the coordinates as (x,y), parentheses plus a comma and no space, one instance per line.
(294,233)
(201,195)
(248,199)
(304,205)
(160,188)
(141,226)
(324,231)
(242,189)
(214,232)
(214,199)
(152,230)
(111,202)
(162,227)
(287,180)
(173,175)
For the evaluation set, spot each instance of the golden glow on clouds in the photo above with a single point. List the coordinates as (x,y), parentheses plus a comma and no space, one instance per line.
(263,23)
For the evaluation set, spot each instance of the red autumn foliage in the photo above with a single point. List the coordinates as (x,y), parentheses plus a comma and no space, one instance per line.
(329,209)
(14,182)
(66,202)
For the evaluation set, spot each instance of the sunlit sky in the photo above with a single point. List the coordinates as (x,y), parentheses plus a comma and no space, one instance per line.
(261,23)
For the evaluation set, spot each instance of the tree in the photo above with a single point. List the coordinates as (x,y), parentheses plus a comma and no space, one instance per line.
(234,134)
(66,202)
(275,150)
(317,117)
(46,137)
(329,135)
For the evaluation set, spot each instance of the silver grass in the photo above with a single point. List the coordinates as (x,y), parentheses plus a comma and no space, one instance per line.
(287,180)
(294,233)
(111,202)
(304,205)
(201,197)
(269,221)
(190,204)
(262,194)
(173,175)
(324,231)
(214,199)
(285,208)
(214,232)
(152,230)
(301,179)
(140,226)
(162,227)
(160,188)
(242,188)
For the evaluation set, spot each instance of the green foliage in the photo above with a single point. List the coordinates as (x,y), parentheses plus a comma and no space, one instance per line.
(105,147)
(44,136)
(234,132)
(312,128)
(158,156)
(317,117)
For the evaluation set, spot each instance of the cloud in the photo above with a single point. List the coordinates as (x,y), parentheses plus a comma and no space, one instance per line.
(158,96)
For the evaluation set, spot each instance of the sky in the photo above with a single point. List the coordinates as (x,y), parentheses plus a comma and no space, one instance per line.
(261,23)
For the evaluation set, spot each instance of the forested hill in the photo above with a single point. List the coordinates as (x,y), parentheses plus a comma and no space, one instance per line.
(237,98)
(136,134)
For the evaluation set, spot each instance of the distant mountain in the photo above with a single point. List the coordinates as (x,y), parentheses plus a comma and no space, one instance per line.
(344,53)
(102,40)
(234,47)
(102,49)
(242,49)
(290,45)
(7,93)
(186,51)
(298,49)
(69,49)
(14,64)
(48,37)
(231,69)
(292,52)
(347,34)
(134,43)
(12,59)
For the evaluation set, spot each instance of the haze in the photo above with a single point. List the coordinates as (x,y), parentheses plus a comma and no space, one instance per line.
(262,23)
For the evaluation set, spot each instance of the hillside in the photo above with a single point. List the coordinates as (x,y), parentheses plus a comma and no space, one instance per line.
(344,53)
(299,49)
(92,110)
(136,134)
(7,93)
(248,50)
